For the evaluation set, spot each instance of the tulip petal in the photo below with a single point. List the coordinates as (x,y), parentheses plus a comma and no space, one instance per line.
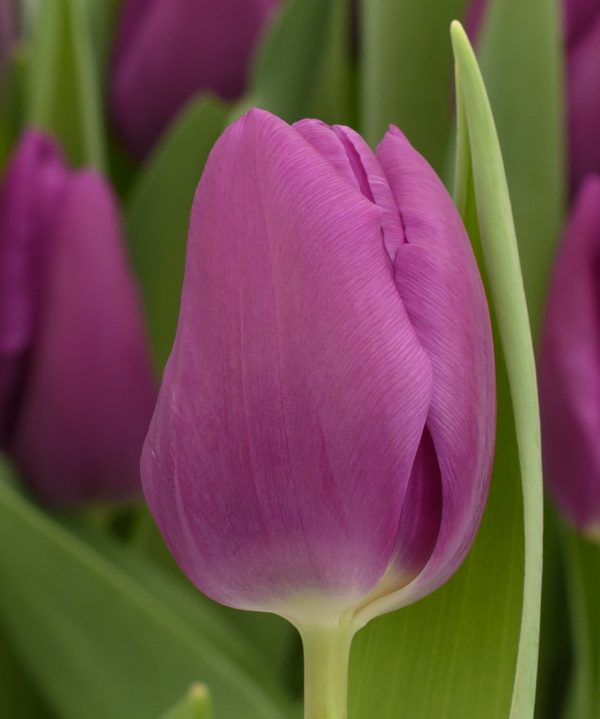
(166,54)
(438,281)
(89,392)
(30,193)
(295,397)
(569,366)
(584,103)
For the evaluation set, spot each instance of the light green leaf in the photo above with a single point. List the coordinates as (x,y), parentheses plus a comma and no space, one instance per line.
(63,93)
(195,705)
(457,653)
(479,155)
(100,642)
(302,69)
(520,53)
(157,215)
(407,70)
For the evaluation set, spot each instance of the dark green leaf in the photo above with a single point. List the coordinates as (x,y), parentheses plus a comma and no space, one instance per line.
(99,642)
(157,215)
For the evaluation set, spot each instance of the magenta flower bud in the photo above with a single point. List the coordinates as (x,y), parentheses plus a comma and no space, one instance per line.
(583,87)
(168,50)
(323,436)
(570,367)
(76,383)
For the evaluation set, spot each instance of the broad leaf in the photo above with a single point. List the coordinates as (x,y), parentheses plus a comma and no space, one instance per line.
(302,69)
(100,642)
(157,215)
(407,72)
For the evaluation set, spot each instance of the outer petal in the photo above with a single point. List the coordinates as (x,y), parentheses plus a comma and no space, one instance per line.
(295,397)
(570,366)
(31,191)
(584,103)
(580,14)
(89,390)
(438,280)
(168,50)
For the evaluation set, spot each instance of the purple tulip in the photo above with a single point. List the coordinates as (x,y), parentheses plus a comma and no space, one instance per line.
(168,50)
(570,367)
(325,426)
(76,384)
(583,88)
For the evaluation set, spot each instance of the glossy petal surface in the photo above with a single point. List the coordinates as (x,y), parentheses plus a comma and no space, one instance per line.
(168,50)
(570,366)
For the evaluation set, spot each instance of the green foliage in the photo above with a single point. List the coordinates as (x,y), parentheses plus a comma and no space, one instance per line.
(100,640)
(63,93)
(406,72)
(157,215)
(195,705)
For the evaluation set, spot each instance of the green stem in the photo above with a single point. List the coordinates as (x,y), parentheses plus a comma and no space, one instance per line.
(326,659)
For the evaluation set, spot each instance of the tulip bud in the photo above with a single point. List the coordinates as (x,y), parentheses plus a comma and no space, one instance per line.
(583,87)
(76,384)
(570,367)
(322,442)
(168,50)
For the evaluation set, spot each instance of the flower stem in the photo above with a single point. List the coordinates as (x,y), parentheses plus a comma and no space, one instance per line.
(326,659)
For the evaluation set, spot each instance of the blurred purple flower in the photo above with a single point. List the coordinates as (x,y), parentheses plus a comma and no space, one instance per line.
(582,42)
(168,50)
(326,420)
(570,367)
(76,384)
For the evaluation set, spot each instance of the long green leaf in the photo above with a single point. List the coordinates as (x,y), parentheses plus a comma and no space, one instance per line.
(195,705)
(64,95)
(455,654)
(479,154)
(157,215)
(520,52)
(407,70)
(302,68)
(100,643)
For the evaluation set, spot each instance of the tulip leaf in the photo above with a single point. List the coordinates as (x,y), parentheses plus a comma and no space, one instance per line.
(157,215)
(406,70)
(19,697)
(302,68)
(99,642)
(456,653)
(520,53)
(583,583)
(479,155)
(195,705)
(63,93)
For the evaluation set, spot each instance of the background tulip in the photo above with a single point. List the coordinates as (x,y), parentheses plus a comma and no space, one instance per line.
(324,433)
(570,367)
(75,377)
(168,50)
